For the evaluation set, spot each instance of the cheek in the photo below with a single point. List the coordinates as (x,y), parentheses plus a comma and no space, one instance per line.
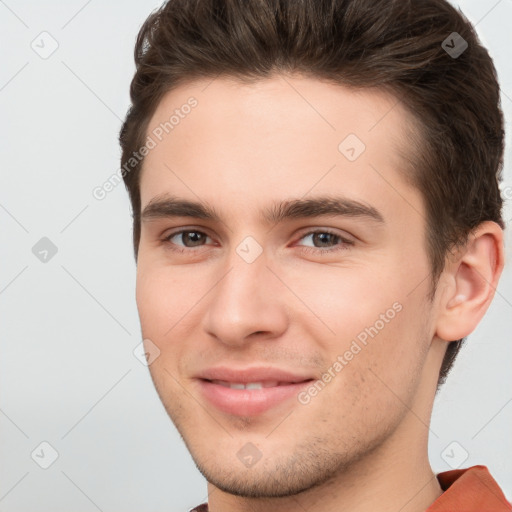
(167,302)
(350,301)
(152,303)
(392,361)
(160,308)
(162,299)
(377,382)
(379,331)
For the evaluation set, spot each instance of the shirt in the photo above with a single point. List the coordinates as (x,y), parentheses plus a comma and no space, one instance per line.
(470,489)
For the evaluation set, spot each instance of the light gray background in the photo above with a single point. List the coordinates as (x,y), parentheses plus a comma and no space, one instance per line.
(68,327)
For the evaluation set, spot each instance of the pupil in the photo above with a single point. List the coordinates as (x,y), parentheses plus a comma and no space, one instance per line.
(324,238)
(193,237)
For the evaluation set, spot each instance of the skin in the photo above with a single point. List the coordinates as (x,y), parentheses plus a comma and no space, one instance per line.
(361,443)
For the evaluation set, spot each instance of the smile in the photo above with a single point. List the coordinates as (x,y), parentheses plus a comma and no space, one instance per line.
(251,398)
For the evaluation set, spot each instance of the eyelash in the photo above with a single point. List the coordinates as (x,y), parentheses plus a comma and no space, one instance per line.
(310,250)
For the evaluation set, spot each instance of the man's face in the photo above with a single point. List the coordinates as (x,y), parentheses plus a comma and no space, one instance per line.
(340,295)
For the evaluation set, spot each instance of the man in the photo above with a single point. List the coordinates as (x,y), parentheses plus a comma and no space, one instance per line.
(317,228)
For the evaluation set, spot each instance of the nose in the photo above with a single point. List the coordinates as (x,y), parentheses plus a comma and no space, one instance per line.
(247,303)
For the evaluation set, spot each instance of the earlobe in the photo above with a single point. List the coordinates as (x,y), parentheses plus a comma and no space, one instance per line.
(473,277)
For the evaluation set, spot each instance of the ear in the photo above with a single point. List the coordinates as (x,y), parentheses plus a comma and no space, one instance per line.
(471,279)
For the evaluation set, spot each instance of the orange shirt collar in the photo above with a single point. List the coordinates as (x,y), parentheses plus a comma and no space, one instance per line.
(471,489)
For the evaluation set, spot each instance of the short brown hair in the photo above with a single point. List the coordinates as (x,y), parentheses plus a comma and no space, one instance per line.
(402,46)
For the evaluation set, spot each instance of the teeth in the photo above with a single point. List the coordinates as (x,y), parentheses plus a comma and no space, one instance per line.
(249,385)
(254,385)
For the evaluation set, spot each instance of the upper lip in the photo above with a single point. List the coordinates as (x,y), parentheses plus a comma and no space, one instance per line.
(255,374)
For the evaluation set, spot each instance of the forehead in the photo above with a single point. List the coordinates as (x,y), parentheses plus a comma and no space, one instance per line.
(222,140)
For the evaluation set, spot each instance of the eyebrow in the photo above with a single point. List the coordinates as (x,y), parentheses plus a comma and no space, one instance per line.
(168,207)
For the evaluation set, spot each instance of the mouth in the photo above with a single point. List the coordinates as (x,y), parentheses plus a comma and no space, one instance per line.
(251,385)
(250,398)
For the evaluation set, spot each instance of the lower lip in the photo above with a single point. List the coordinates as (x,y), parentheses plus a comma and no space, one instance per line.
(249,402)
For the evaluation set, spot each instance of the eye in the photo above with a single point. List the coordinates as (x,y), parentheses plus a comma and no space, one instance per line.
(189,238)
(325,239)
